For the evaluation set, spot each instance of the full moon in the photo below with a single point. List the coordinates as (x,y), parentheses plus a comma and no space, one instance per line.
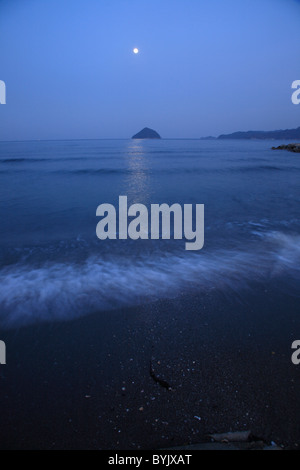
(135,50)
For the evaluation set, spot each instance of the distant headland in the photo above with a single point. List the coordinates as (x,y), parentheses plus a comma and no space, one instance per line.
(281,134)
(146,133)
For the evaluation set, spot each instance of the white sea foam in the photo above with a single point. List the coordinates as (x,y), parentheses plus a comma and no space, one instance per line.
(60,291)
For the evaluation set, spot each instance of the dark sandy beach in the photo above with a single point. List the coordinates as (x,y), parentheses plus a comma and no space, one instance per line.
(86,384)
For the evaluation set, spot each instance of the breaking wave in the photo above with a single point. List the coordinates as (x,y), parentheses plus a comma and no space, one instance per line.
(63,291)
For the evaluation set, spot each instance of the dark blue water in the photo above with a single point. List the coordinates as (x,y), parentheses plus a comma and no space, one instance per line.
(52,265)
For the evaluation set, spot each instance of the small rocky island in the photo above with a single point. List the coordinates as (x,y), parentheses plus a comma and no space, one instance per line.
(146,133)
(290,147)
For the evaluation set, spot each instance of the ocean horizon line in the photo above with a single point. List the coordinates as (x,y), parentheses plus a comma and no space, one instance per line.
(129,138)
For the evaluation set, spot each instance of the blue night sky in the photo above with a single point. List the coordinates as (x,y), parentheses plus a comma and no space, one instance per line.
(204,67)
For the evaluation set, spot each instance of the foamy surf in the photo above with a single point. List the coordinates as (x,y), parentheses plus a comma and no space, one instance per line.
(61,291)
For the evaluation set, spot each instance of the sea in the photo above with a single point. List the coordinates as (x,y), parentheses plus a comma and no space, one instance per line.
(54,268)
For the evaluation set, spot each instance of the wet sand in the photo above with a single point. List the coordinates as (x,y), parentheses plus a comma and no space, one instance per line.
(86,384)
